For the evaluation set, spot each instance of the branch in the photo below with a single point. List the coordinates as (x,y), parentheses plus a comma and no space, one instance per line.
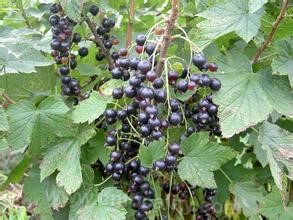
(98,40)
(170,23)
(273,31)
(130,24)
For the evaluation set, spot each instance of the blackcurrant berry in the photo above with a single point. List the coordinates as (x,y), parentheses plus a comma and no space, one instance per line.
(66,80)
(205,80)
(54,20)
(116,176)
(160,165)
(199,60)
(140,40)
(133,63)
(151,75)
(121,114)
(100,56)
(212,67)
(144,66)
(158,83)
(117,93)
(174,149)
(55,8)
(150,49)
(215,84)
(110,140)
(145,130)
(170,160)
(106,23)
(116,73)
(64,70)
(130,91)
(182,85)
(83,52)
(94,10)
(160,95)
(109,168)
(147,93)
(110,113)
(76,38)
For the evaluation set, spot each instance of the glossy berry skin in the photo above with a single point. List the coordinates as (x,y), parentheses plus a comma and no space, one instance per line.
(100,56)
(115,156)
(172,76)
(160,165)
(156,134)
(54,20)
(117,93)
(145,130)
(55,8)
(106,23)
(110,140)
(133,63)
(199,60)
(174,149)
(151,75)
(114,55)
(140,40)
(108,44)
(150,49)
(116,176)
(64,70)
(66,80)
(122,114)
(116,73)
(175,189)
(152,111)
(205,80)
(143,118)
(144,66)
(215,84)
(130,91)
(175,118)
(147,93)
(135,81)
(195,78)
(154,123)
(94,10)
(110,113)
(76,38)
(170,160)
(109,168)
(212,67)
(143,170)
(212,109)
(101,31)
(158,83)
(203,117)
(182,85)
(139,49)
(83,52)
(124,63)
(160,95)
(175,105)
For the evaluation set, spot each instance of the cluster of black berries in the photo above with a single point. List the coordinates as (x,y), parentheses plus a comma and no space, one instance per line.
(62,29)
(179,190)
(139,187)
(148,111)
(206,210)
(170,160)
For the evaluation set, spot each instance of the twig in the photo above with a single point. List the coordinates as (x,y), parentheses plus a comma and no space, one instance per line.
(273,31)
(98,40)
(8,99)
(23,14)
(167,36)
(130,23)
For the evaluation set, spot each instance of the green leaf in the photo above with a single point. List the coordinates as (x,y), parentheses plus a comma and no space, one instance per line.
(27,121)
(247,98)
(72,8)
(21,58)
(96,150)
(229,16)
(90,109)
(272,207)
(86,69)
(260,153)
(201,158)
(65,157)
(29,86)
(4,126)
(34,192)
(57,197)
(256,5)
(17,173)
(149,154)
(109,206)
(247,197)
(283,64)
(278,145)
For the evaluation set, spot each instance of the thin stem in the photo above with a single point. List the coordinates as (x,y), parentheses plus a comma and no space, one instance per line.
(98,40)
(130,23)
(228,178)
(167,36)
(101,183)
(23,14)
(273,31)
(169,195)
(8,99)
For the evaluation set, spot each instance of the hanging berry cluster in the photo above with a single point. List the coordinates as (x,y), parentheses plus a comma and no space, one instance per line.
(146,106)
(63,39)
(145,110)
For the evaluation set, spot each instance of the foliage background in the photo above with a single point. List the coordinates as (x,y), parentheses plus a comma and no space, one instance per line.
(256,106)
